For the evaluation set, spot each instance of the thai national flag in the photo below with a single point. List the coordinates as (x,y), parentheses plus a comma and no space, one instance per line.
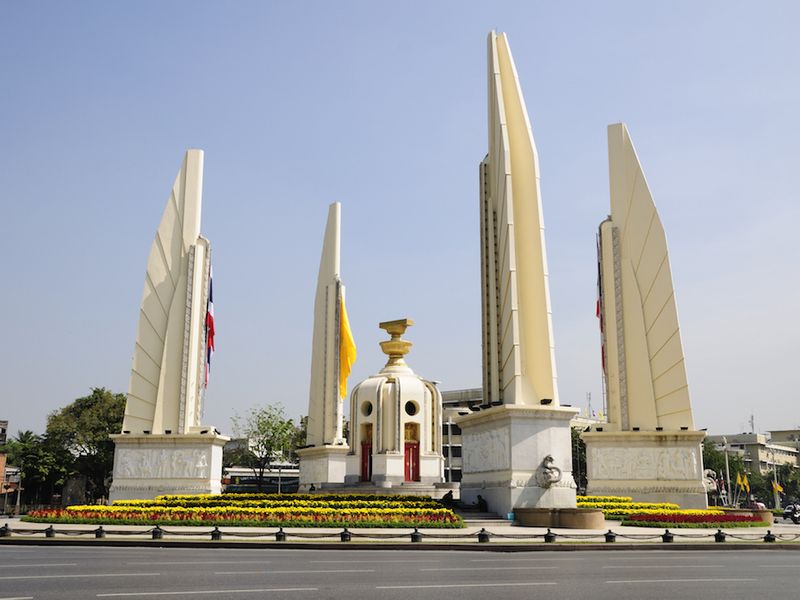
(209,323)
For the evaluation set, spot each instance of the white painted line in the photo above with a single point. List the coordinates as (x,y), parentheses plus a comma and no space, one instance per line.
(528,568)
(19,565)
(717,580)
(19,598)
(504,560)
(349,562)
(84,575)
(663,566)
(293,572)
(461,585)
(201,562)
(217,592)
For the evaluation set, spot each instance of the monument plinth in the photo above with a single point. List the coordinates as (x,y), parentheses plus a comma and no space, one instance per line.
(517,450)
(649,449)
(163,448)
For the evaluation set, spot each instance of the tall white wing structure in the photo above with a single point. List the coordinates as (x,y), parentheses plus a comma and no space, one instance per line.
(165,391)
(163,449)
(521,432)
(649,449)
(323,461)
(325,416)
(644,363)
(518,349)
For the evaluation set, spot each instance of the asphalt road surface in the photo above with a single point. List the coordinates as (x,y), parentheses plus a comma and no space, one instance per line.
(81,573)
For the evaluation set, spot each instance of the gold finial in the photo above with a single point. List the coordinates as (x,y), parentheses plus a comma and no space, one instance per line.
(396,348)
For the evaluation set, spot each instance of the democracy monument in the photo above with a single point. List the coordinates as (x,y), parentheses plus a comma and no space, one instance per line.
(517,449)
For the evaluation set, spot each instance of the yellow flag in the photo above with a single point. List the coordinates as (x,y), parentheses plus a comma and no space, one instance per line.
(745,483)
(347,349)
(777,487)
(739,480)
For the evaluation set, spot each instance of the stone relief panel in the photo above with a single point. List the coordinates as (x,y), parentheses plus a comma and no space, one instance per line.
(161,463)
(485,450)
(644,463)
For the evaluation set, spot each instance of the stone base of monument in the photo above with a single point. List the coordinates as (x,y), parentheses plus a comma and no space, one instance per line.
(648,466)
(518,457)
(322,467)
(568,518)
(146,466)
(388,470)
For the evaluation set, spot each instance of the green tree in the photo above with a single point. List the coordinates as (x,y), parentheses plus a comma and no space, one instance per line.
(38,460)
(81,429)
(579,460)
(270,438)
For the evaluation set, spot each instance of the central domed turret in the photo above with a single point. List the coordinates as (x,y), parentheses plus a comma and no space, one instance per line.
(395,421)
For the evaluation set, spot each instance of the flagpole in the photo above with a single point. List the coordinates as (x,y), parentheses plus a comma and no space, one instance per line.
(775,493)
(727,467)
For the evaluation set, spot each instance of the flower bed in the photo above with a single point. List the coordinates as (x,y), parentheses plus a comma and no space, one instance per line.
(694,518)
(262,510)
(620,507)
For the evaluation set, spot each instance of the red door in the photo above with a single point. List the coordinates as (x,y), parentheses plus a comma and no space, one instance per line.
(366,461)
(412,461)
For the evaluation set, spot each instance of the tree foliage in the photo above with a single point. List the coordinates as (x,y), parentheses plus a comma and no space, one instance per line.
(82,430)
(270,438)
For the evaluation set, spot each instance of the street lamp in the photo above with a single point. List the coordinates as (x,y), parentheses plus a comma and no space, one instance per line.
(775,480)
(727,468)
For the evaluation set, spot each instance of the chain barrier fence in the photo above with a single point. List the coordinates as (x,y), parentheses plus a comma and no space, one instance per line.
(416,536)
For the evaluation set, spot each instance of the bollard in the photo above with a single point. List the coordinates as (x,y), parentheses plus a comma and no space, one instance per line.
(483,536)
(611,536)
(549,537)
(50,532)
(216,534)
(100,532)
(416,536)
(770,537)
(719,536)
(158,533)
(5,531)
(667,537)
(280,535)
(345,535)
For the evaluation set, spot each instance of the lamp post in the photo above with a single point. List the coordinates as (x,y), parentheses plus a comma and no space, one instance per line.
(727,468)
(449,448)
(775,480)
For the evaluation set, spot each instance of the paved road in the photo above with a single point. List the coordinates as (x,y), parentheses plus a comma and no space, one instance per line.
(80,573)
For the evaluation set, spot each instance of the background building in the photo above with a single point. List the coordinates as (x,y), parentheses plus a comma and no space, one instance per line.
(762,451)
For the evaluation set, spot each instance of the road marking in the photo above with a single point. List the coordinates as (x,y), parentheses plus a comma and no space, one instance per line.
(393,562)
(460,585)
(84,575)
(201,562)
(523,559)
(293,572)
(19,598)
(663,567)
(218,592)
(679,580)
(529,568)
(18,565)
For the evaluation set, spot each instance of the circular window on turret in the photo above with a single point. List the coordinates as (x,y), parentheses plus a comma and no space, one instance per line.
(412,408)
(366,408)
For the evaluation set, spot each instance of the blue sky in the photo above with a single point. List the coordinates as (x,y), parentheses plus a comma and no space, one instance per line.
(383,107)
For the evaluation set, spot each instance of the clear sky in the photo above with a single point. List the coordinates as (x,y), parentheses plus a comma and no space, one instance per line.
(382,106)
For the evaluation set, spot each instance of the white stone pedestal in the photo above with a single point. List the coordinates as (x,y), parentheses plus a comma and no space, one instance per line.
(504,448)
(322,466)
(146,466)
(648,466)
